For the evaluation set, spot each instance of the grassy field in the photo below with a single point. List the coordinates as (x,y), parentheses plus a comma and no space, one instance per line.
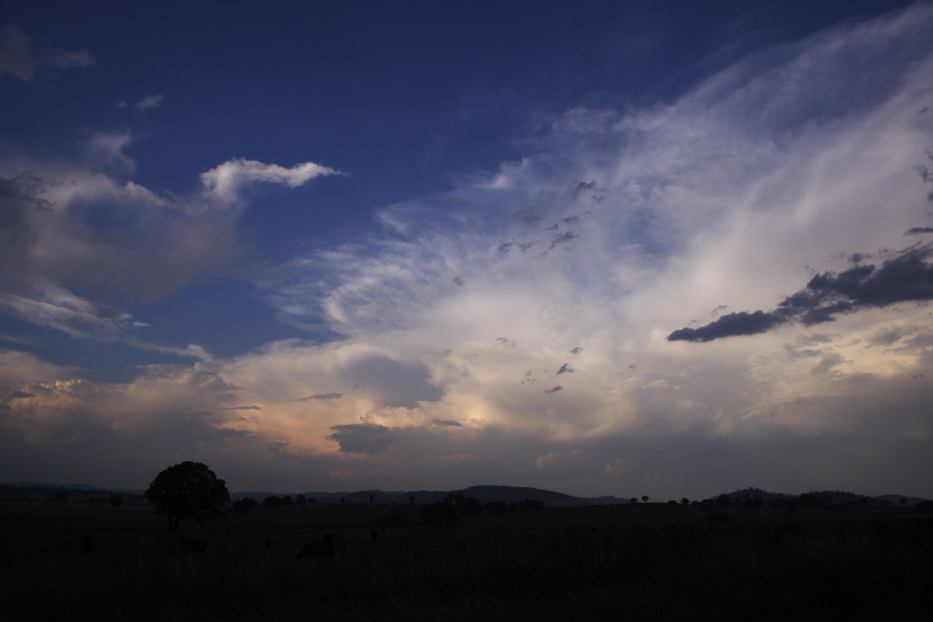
(647,561)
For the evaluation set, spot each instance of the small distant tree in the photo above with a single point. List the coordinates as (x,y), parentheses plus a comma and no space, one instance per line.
(300,501)
(188,490)
(685,501)
(644,498)
(634,500)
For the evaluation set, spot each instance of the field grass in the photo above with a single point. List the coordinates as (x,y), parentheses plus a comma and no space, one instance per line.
(84,561)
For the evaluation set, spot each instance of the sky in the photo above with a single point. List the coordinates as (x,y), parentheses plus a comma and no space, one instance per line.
(644,248)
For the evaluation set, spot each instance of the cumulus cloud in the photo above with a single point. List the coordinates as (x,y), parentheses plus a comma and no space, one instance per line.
(20,368)
(225,181)
(22,59)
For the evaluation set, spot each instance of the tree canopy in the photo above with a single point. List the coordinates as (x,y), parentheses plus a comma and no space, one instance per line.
(188,490)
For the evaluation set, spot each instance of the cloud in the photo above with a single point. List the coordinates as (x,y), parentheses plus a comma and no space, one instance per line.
(108,149)
(729,325)
(225,181)
(322,396)
(733,192)
(763,175)
(149,102)
(58,308)
(918,230)
(363,438)
(907,276)
(20,58)
(105,240)
(19,368)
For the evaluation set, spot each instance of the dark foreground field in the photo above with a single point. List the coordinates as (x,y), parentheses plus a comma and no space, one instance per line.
(93,562)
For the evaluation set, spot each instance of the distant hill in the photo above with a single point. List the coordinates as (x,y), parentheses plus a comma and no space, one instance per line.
(511,494)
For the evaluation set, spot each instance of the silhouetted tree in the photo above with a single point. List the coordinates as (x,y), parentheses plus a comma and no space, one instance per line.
(300,501)
(644,498)
(188,490)
(685,501)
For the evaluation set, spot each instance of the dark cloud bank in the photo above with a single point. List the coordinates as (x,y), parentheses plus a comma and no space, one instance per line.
(907,276)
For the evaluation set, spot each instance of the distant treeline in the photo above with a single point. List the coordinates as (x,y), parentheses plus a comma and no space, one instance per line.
(63,494)
(470,501)
(453,507)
